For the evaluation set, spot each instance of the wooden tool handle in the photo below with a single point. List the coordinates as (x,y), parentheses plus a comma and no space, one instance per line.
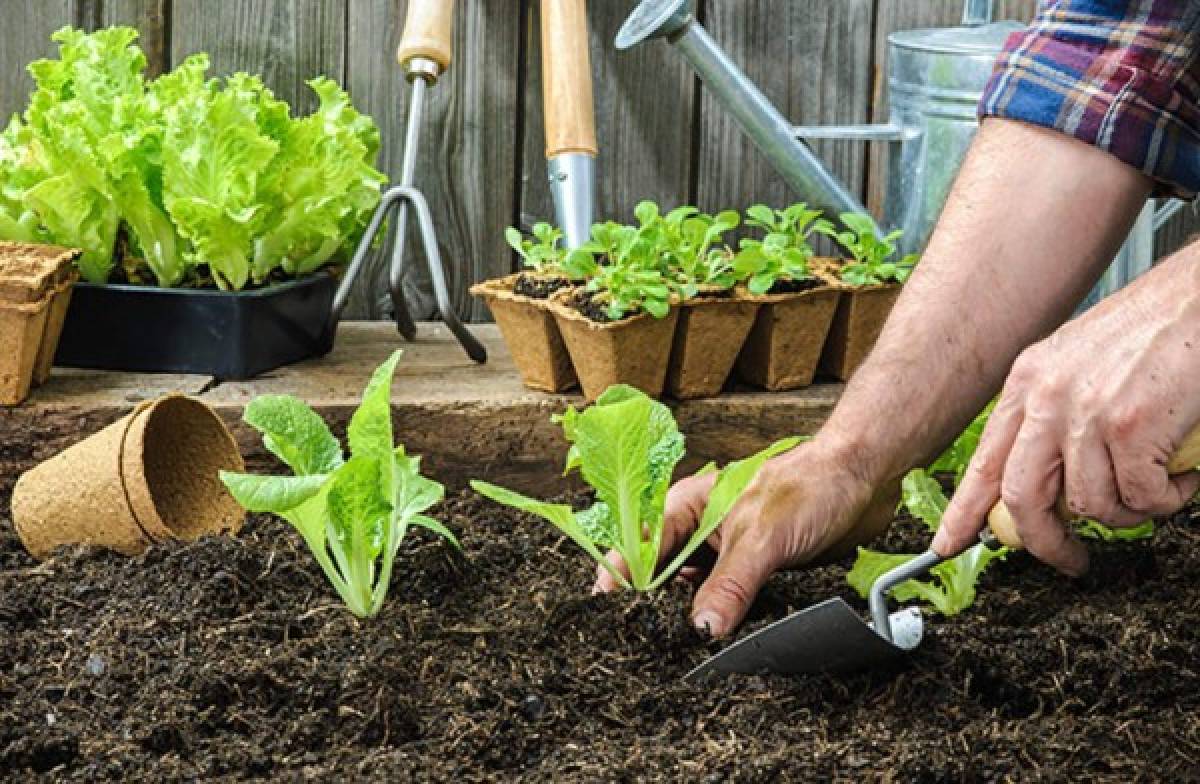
(1186,458)
(428,32)
(567,79)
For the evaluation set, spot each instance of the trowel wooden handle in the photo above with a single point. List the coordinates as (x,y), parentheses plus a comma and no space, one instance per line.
(1186,458)
(428,32)
(567,79)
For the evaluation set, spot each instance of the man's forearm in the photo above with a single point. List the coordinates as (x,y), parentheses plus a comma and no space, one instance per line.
(1032,221)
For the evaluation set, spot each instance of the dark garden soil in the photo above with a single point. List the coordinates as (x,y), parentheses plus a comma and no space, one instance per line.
(231,659)
(586,302)
(538,287)
(793,286)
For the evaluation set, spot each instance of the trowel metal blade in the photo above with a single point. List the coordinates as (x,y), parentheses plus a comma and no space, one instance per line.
(828,637)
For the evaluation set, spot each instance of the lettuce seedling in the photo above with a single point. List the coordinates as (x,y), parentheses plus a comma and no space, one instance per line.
(352,513)
(630,275)
(544,255)
(694,252)
(797,222)
(952,587)
(871,253)
(626,446)
(764,263)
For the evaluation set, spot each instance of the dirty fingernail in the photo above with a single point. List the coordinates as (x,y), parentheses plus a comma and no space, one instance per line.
(707,623)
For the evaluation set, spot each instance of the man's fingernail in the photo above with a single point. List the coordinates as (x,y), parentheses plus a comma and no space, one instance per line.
(707,623)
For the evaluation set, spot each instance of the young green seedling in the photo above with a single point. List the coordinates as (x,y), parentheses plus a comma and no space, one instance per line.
(694,251)
(626,446)
(630,275)
(543,255)
(763,264)
(871,253)
(352,513)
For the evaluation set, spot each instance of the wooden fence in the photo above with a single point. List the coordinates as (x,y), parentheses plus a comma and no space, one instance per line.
(481,162)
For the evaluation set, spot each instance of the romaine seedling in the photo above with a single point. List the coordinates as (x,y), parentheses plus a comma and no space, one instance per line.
(626,446)
(763,264)
(797,222)
(694,251)
(352,513)
(630,275)
(871,253)
(543,254)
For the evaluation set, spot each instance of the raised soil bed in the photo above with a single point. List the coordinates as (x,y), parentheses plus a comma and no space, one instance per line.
(231,658)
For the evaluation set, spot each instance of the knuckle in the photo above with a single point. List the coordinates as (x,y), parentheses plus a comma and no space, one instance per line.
(730,588)
(1124,420)
(1027,367)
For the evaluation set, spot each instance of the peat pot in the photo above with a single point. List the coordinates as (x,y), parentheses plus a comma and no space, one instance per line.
(531,334)
(785,343)
(633,351)
(228,334)
(708,339)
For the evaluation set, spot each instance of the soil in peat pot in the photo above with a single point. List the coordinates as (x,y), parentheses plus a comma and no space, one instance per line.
(793,286)
(231,659)
(538,287)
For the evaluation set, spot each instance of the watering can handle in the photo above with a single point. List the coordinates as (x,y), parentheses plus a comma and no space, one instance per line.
(1186,458)
(428,33)
(978,12)
(567,79)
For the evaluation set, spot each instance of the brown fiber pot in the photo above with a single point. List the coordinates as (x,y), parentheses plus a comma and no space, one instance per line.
(35,290)
(150,476)
(710,333)
(784,345)
(857,323)
(531,334)
(632,351)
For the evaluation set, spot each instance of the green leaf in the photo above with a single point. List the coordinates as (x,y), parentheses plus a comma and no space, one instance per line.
(1092,529)
(276,494)
(295,434)
(923,497)
(358,514)
(731,482)
(370,429)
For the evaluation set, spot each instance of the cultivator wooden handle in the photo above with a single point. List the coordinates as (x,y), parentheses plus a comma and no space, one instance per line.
(428,33)
(1186,458)
(567,79)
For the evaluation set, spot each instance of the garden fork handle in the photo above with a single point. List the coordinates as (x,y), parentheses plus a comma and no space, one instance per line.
(1186,458)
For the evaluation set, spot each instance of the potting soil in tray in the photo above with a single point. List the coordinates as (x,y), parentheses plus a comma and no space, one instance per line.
(231,658)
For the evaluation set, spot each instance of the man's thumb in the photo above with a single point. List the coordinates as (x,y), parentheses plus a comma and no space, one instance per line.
(724,598)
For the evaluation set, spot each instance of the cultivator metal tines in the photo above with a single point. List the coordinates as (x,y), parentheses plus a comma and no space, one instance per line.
(425,53)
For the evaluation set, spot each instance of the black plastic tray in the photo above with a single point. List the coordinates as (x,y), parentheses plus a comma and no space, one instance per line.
(230,335)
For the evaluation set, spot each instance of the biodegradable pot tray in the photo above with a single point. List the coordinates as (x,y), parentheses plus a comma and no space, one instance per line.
(531,334)
(784,345)
(857,323)
(708,338)
(230,335)
(35,288)
(634,350)
(150,476)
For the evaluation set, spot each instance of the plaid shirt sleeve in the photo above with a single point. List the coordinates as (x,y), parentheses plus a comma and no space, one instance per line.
(1119,74)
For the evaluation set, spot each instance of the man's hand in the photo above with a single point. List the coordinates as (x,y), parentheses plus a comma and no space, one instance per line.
(1092,413)
(802,507)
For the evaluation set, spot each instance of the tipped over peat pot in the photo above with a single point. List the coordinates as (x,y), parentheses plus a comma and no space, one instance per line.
(634,350)
(711,332)
(531,334)
(148,477)
(228,334)
(789,332)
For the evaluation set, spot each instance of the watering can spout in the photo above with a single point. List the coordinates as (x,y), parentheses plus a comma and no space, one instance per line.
(774,136)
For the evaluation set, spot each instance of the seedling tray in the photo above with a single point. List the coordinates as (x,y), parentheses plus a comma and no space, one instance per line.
(230,335)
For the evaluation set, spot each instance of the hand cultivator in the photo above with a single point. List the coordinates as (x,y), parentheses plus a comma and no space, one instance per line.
(425,52)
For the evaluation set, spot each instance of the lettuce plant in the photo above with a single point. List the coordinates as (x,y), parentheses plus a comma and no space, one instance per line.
(542,254)
(351,513)
(762,264)
(797,222)
(623,266)
(209,180)
(695,254)
(871,253)
(626,446)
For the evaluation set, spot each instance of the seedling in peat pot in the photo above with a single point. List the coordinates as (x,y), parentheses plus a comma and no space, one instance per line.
(626,446)
(694,253)
(871,252)
(352,513)
(543,255)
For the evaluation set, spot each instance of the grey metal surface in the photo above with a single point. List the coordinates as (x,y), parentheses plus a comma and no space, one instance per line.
(877,599)
(827,637)
(978,12)
(573,185)
(408,166)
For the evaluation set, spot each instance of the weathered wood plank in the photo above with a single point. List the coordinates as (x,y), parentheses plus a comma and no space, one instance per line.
(644,115)
(466,420)
(287,42)
(150,19)
(893,15)
(25,36)
(811,59)
(1179,231)
(467,157)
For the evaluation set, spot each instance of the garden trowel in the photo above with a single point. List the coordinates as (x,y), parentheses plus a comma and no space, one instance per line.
(830,637)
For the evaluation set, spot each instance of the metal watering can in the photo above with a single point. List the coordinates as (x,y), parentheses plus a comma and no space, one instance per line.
(935,80)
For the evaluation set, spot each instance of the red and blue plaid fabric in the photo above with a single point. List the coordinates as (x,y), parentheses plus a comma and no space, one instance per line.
(1120,74)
